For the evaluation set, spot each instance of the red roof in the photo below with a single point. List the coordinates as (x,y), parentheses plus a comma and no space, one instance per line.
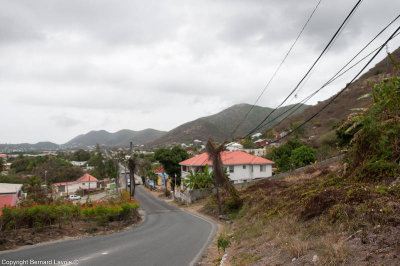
(8,200)
(159,170)
(87,178)
(228,158)
(84,178)
(3,155)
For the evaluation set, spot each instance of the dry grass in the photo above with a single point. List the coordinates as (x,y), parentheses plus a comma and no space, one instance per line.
(332,249)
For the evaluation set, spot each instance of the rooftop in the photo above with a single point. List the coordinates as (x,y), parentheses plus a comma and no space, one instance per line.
(228,158)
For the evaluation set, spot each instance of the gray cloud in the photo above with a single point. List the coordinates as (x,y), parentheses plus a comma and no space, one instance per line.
(137,64)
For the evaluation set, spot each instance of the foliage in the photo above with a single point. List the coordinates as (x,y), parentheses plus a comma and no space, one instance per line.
(270,134)
(13,179)
(1,164)
(223,242)
(281,155)
(34,214)
(80,155)
(170,159)
(98,162)
(247,143)
(302,156)
(36,192)
(374,148)
(295,125)
(152,176)
(54,169)
(199,180)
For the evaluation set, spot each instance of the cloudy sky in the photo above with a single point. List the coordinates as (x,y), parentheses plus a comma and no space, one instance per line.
(71,66)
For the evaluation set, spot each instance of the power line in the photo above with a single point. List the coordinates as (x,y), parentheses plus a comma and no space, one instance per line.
(278,68)
(334,77)
(313,65)
(340,92)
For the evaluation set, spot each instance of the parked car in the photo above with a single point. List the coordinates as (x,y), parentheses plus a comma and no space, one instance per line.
(74,197)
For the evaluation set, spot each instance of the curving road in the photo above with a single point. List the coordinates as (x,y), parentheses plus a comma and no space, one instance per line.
(168,236)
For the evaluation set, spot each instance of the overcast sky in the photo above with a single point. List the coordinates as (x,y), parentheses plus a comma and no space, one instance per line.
(71,66)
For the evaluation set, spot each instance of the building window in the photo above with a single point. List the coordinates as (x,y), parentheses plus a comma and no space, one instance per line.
(244,166)
(263,168)
(184,168)
(83,184)
(231,169)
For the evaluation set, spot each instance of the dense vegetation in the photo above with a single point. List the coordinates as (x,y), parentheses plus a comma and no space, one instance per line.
(374,136)
(40,215)
(53,169)
(291,155)
(170,159)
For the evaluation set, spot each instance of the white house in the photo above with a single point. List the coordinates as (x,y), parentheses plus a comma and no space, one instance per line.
(78,163)
(234,146)
(241,166)
(85,182)
(257,135)
(256,152)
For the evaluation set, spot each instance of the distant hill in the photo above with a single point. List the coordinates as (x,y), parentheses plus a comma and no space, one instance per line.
(25,147)
(119,138)
(350,101)
(218,126)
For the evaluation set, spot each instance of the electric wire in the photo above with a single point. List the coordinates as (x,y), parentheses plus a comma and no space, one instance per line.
(340,92)
(313,65)
(278,68)
(334,77)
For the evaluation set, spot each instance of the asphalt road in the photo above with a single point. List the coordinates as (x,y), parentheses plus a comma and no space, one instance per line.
(168,236)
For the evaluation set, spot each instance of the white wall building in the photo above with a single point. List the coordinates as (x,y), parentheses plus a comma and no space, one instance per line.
(234,146)
(241,166)
(256,152)
(86,182)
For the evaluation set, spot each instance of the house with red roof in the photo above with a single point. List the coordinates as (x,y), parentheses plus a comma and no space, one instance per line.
(240,166)
(85,182)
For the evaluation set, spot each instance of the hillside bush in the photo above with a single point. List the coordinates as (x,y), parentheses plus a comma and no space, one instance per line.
(374,152)
(45,215)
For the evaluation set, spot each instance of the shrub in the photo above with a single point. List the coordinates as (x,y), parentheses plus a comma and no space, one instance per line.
(303,156)
(223,242)
(44,215)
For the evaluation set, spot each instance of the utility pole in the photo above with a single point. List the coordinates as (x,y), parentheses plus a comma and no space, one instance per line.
(126,178)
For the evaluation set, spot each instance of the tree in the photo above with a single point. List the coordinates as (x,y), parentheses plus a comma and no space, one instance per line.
(199,180)
(303,156)
(1,164)
(170,159)
(143,165)
(281,155)
(270,134)
(152,176)
(97,161)
(80,155)
(35,190)
(247,143)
